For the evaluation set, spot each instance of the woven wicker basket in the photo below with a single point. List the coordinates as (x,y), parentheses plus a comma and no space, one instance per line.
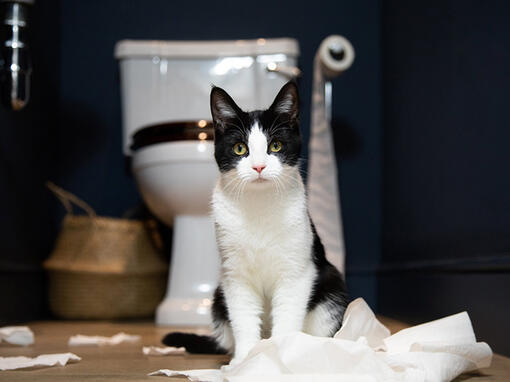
(103,268)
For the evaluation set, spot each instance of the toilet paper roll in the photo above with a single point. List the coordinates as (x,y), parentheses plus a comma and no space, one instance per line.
(323,192)
(336,55)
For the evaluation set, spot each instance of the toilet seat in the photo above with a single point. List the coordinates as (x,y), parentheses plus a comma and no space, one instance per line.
(172,131)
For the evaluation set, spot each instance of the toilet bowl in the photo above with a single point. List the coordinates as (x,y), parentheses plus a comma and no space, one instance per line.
(167,133)
(176,178)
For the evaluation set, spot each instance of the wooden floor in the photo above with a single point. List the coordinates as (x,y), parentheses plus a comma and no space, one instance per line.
(127,363)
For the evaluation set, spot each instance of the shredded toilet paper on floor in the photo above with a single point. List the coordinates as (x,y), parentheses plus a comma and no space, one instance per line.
(166,350)
(17,335)
(362,350)
(13,363)
(81,340)
(202,375)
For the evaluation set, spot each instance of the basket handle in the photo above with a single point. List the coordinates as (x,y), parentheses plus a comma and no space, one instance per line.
(68,199)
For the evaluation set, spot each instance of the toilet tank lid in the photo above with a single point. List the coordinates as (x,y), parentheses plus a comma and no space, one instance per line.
(200,49)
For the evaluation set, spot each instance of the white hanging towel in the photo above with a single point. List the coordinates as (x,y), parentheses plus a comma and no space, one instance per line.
(334,56)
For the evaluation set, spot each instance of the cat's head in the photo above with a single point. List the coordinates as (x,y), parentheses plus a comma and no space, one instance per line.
(260,147)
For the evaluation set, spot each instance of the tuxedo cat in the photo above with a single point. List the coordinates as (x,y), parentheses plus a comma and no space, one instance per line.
(275,278)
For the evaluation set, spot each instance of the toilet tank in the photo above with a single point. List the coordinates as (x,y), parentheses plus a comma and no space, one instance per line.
(170,81)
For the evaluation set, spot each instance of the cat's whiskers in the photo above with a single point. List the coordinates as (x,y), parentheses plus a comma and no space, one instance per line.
(238,189)
(289,179)
(276,185)
(280,185)
(230,190)
(244,182)
(233,124)
(227,186)
(273,129)
(237,126)
(270,130)
(240,120)
(281,188)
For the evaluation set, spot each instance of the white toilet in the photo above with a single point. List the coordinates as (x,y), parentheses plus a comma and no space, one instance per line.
(168,134)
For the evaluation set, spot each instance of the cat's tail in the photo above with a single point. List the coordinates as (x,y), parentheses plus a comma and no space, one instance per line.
(193,343)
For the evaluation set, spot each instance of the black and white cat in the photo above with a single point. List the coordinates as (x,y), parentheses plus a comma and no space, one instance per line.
(275,278)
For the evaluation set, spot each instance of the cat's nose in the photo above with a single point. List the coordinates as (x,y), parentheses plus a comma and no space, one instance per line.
(259,168)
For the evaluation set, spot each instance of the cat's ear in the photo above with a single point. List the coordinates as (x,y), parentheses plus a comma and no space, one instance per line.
(287,100)
(223,107)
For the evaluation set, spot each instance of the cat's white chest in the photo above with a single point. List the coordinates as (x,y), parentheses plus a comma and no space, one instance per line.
(262,239)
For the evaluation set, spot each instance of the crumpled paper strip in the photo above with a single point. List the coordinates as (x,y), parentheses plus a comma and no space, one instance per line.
(202,375)
(362,350)
(17,335)
(81,340)
(166,350)
(12,363)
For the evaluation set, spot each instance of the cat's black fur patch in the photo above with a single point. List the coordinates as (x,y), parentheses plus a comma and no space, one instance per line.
(234,126)
(198,344)
(193,343)
(219,308)
(329,285)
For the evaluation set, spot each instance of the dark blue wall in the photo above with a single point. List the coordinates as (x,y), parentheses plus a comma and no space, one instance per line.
(83,140)
(446,198)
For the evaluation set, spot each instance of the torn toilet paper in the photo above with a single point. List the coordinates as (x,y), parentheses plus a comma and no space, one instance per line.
(362,350)
(17,335)
(81,340)
(165,350)
(200,375)
(12,363)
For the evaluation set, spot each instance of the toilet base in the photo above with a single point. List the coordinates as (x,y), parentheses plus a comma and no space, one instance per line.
(194,273)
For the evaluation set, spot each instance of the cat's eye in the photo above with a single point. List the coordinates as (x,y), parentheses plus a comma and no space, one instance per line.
(240,148)
(276,146)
